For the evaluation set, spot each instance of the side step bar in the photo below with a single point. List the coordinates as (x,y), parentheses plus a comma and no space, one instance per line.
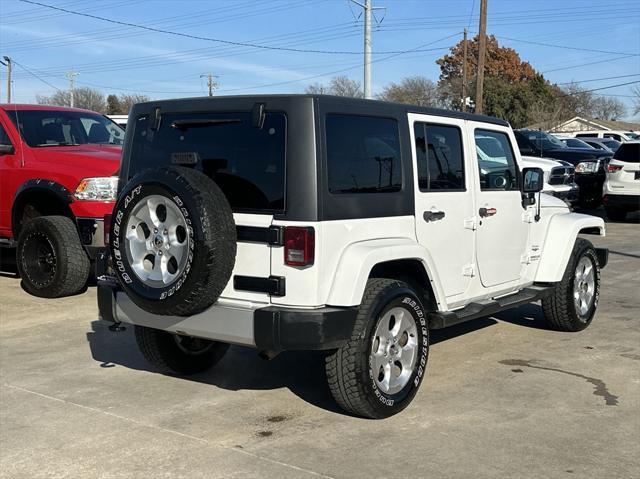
(443,319)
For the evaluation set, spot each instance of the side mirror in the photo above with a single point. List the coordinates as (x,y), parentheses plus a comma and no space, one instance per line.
(532,180)
(7,150)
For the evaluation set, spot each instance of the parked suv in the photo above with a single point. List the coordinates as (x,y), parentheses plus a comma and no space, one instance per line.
(621,192)
(57,181)
(322,223)
(588,163)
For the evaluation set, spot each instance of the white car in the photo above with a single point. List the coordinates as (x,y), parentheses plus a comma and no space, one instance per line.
(312,222)
(559,177)
(121,120)
(619,135)
(621,189)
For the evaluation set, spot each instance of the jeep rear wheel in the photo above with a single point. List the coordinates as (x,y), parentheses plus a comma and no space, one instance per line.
(378,371)
(50,258)
(177,354)
(173,241)
(573,302)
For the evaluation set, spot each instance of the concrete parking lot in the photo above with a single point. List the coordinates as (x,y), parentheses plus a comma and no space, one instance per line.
(504,397)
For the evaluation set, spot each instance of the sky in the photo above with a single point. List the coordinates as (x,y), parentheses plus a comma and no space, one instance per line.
(594,42)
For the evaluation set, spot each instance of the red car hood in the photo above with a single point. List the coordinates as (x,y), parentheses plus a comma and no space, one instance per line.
(95,160)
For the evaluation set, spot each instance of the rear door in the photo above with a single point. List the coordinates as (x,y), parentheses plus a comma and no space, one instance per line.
(623,171)
(444,200)
(503,230)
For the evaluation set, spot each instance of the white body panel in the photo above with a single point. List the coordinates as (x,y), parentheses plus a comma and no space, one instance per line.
(619,135)
(622,181)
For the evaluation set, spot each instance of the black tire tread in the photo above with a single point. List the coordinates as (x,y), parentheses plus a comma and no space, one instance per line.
(72,260)
(557,306)
(341,369)
(168,359)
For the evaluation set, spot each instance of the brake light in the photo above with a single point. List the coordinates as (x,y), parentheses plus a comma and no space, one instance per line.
(299,245)
(613,168)
(107,227)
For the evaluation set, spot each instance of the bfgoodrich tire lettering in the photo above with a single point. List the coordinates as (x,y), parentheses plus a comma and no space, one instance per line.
(207,234)
(352,377)
(574,300)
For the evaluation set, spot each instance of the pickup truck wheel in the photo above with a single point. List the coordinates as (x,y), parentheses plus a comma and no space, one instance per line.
(573,302)
(50,258)
(173,241)
(176,354)
(378,371)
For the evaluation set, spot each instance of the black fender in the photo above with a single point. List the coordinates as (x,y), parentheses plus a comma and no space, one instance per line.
(51,189)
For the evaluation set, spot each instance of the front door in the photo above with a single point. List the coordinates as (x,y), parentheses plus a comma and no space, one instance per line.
(503,229)
(443,199)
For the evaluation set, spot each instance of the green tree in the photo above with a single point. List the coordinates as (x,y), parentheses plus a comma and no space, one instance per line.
(113,105)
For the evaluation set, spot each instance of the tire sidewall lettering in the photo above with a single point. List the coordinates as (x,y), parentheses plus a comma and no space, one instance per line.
(118,230)
(418,314)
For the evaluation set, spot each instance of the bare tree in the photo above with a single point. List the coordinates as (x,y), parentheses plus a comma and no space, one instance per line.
(339,86)
(608,108)
(128,100)
(84,97)
(415,90)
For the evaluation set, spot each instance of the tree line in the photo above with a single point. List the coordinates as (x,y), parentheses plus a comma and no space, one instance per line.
(513,89)
(91,99)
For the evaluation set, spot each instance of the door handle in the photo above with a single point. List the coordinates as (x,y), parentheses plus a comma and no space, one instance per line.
(485,212)
(433,215)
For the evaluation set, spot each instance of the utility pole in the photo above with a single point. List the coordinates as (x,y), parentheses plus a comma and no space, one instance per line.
(72,78)
(210,82)
(9,68)
(482,46)
(368,13)
(464,72)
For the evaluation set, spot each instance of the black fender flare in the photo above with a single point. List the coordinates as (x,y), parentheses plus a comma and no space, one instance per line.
(37,185)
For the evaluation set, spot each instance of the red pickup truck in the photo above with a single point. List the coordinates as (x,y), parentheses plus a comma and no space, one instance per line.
(58,179)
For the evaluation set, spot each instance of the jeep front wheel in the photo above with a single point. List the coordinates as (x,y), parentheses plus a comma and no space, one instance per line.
(177,354)
(572,304)
(50,258)
(378,371)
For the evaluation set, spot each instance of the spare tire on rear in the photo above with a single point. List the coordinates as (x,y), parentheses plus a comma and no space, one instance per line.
(173,241)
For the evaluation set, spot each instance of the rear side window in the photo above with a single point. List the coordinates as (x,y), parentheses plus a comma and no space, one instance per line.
(440,158)
(363,154)
(628,152)
(496,163)
(246,162)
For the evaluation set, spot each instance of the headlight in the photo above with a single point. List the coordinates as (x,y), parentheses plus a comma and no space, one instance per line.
(587,167)
(97,189)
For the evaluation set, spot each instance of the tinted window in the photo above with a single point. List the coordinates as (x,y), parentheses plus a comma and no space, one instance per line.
(42,128)
(496,162)
(4,138)
(586,135)
(629,152)
(363,154)
(247,163)
(440,158)
(612,135)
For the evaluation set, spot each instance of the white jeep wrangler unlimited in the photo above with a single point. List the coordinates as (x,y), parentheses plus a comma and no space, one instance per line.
(299,222)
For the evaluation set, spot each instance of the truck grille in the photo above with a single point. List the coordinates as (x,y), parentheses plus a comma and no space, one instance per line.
(562,175)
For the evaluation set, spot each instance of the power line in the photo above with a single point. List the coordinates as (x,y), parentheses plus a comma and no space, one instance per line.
(198,37)
(36,76)
(598,89)
(566,47)
(598,79)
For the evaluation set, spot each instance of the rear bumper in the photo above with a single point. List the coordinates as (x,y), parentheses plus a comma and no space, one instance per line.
(266,328)
(627,202)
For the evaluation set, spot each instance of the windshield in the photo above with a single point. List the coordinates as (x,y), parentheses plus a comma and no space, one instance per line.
(543,140)
(43,128)
(632,135)
(576,143)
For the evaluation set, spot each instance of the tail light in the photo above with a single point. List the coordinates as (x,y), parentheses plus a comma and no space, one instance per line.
(299,245)
(107,228)
(613,168)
